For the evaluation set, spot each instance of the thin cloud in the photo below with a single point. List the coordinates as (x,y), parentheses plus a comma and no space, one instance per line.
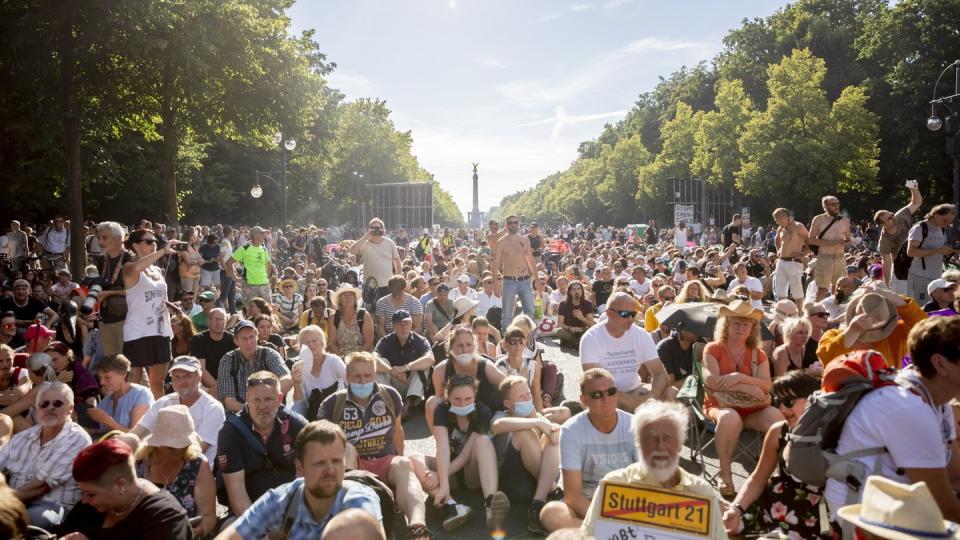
(581,7)
(491,62)
(572,8)
(561,119)
(601,70)
(351,83)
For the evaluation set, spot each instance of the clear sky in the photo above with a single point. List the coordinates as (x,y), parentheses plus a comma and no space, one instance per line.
(515,85)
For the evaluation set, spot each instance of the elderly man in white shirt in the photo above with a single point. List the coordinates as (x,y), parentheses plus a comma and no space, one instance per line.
(751,283)
(39,460)
(487,297)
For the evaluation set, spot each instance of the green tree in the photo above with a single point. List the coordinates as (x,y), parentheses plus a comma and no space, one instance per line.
(679,142)
(621,164)
(717,154)
(800,147)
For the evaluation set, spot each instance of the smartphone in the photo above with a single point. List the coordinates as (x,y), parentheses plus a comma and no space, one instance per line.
(911,184)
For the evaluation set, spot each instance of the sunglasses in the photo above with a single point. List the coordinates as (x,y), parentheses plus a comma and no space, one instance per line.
(264,381)
(8,325)
(669,298)
(784,401)
(147,241)
(609,392)
(513,223)
(820,314)
(462,379)
(625,313)
(57,403)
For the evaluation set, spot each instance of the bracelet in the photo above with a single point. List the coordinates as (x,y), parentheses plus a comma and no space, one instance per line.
(739,509)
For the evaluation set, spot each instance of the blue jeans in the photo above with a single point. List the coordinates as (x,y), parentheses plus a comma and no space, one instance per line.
(228,293)
(512,288)
(45,514)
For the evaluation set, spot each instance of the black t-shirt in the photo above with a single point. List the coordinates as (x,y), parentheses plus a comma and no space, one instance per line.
(486,392)
(203,346)
(210,251)
(110,267)
(728,232)
(676,361)
(754,269)
(235,454)
(27,312)
(535,243)
(566,310)
(650,236)
(602,289)
(158,517)
(479,423)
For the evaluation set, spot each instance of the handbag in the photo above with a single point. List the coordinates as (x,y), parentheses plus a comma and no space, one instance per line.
(743,395)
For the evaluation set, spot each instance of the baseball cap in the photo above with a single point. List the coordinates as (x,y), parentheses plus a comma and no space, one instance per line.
(244,323)
(21,283)
(939,283)
(207,296)
(443,287)
(186,363)
(401,315)
(463,279)
(852,269)
(257,230)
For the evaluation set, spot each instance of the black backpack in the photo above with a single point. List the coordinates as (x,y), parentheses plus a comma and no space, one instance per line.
(901,261)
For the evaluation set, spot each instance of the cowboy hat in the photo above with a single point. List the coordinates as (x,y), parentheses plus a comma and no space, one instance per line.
(720,296)
(741,308)
(462,305)
(883,315)
(897,511)
(174,428)
(346,288)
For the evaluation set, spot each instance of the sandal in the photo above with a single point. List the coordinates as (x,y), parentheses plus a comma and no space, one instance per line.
(726,490)
(419,532)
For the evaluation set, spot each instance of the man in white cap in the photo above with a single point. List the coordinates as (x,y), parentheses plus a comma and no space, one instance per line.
(256,266)
(463,289)
(207,413)
(942,295)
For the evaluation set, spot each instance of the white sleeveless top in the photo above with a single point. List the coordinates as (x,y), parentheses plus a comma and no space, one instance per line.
(147,313)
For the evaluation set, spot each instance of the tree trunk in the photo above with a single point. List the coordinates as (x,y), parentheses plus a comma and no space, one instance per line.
(71,136)
(171,142)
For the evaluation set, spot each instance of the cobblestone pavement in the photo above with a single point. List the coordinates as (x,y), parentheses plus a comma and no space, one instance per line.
(419,440)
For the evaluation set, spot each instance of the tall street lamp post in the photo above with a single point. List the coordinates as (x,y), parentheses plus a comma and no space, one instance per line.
(256,191)
(945,115)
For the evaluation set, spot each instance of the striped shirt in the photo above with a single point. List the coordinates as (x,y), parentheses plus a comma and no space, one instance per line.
(386,308)
(25,460)
(233,371)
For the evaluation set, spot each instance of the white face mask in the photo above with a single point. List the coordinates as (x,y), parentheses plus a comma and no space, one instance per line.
(463,359)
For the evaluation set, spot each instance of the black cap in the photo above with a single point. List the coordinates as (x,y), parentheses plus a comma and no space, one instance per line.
(401,315)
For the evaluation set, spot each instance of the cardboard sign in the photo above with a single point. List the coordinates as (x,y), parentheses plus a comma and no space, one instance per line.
(682,212)
(645,513)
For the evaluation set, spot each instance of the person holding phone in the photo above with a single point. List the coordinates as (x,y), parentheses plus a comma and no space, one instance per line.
(380,258)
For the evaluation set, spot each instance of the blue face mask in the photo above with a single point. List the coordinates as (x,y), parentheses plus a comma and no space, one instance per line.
(523,408)
(360,390)
(463,411)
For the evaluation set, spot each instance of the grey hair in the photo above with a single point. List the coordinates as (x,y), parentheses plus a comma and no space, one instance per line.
(791,324)
(58,386)
(654,410)
(112,227)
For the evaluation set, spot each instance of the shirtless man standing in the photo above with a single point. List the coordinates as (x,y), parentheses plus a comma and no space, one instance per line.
(513,260)
(790,239)
(494,235)
(830,232)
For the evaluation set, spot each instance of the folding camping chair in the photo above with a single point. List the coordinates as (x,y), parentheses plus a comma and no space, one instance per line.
(703,430)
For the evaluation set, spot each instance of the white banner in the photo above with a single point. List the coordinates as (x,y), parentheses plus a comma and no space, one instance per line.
(682,212)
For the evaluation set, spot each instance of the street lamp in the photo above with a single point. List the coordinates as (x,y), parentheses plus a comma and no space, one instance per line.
(285,146)
(945,115)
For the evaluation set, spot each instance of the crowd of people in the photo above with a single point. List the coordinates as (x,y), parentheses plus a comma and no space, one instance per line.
(202,382)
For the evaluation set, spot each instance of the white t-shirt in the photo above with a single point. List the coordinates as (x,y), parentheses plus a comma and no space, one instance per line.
(207,414)
(455,293)
(753,285)
(640,289)
(332,371)
(621,356)
(556,297)
(378,260)
(487,302)
(915,434)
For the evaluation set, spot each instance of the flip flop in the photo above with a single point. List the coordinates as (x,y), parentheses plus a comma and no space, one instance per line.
(726,490)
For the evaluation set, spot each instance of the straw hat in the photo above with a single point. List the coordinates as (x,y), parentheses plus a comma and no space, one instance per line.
(346,288)
(898,512)
(462,305)
(286,282)
(174,428)
(741,308)
(883,315)
(720,296)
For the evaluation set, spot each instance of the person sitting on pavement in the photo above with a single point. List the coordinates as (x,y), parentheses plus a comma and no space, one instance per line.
(621,347)
(397,300)
(236,366)
(368,413)
(116,503)
(266,337)
(592,444)
(208,301)
(460,426)
(877,319)
(574,316)
(516,363)
(210,346)
(255,448)
(124,403)
(317,374)
(676,354)
(482,330)
(171,458)
(737,380)
(405,358)
(438,312)
(770,487)
(350,328)
(207,413)
(526,442)
(665,294)
(37,461)
(912,421)
(659,430)
(942,295)
(319,492)
(462,359)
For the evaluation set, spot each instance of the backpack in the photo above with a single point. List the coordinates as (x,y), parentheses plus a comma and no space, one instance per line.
(388,505)
(360,313)
(901,261)
(811,445)
(341,403)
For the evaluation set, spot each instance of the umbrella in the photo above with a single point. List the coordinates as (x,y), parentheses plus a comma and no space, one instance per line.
(699,318)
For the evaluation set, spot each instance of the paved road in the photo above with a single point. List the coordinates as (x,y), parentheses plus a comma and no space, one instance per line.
(419,440)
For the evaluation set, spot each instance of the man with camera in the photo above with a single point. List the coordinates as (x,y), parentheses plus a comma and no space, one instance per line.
(109,289)
(381,260)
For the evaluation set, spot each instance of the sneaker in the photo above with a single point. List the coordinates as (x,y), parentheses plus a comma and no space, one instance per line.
(498,506)
(456,516)
(534,526)
(555,495)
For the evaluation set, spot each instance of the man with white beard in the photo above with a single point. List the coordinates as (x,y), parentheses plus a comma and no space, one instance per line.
(660,429)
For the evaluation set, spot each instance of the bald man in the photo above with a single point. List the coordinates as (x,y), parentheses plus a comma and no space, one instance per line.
(353,524)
